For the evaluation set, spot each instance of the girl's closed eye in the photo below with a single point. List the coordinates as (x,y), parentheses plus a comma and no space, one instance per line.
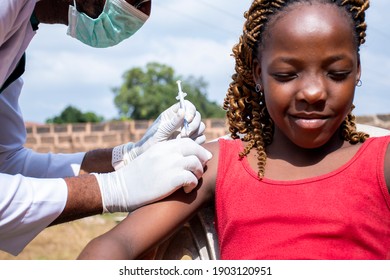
(339,76)
(284,77)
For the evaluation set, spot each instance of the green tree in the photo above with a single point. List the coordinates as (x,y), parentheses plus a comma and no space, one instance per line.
(73,115)
(145,93)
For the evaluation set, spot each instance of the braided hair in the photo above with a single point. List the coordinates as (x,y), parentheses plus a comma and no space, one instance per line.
(246,110)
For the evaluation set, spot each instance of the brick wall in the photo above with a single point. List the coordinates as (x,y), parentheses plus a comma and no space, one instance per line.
(71,138)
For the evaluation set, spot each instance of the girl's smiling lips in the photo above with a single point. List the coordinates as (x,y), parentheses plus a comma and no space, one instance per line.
(309,121)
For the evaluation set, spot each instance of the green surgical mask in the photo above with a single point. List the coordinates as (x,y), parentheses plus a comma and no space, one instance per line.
(118,21)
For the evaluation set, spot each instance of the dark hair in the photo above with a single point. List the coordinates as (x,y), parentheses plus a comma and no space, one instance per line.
(246,111)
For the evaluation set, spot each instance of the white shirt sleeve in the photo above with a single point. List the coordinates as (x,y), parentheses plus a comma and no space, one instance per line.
(15,33)
(27,205)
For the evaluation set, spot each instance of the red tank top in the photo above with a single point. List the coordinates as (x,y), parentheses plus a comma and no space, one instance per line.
(344,214)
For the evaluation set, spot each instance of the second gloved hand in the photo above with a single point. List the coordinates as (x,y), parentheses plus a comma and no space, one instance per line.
(169,125)
(155,174)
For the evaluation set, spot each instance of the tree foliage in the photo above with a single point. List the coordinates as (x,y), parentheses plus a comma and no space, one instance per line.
(145,93)
(73,115)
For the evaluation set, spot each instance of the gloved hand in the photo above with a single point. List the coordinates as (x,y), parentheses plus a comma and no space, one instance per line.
(169,125)
(155,174)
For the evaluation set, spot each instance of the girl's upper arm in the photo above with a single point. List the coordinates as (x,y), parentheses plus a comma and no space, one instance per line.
(148,226)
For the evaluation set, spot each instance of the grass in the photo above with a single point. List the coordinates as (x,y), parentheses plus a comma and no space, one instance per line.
(65,241)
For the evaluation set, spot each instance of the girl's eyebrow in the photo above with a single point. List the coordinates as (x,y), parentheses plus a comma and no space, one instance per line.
(286,60)
(293,60)
(338,57)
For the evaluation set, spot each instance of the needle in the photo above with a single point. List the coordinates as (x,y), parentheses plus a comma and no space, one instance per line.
(180,96)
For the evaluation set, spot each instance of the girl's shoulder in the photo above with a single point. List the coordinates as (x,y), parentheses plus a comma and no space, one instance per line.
(210,175)
(226,141)
(221,149)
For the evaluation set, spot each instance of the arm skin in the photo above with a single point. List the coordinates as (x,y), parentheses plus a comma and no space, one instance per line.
(56,11)
(98,161)
(84,197)
(148,226)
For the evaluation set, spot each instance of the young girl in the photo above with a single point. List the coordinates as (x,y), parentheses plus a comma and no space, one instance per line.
(302,183)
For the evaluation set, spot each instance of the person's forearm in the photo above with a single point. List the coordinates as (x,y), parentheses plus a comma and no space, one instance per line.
(84,199)
(97,161)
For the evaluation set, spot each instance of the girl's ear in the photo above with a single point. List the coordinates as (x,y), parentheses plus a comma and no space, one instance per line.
(256,71)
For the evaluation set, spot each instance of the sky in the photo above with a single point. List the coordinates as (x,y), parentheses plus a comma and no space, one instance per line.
(194,37)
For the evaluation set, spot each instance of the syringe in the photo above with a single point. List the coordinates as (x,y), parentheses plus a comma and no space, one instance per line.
(180,96)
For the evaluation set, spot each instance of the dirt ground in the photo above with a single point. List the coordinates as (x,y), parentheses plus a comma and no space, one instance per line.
(65,242)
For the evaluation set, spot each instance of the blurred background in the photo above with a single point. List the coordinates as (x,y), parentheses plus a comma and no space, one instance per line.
(194,37)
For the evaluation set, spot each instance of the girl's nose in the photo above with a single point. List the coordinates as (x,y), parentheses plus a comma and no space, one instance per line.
(313,90)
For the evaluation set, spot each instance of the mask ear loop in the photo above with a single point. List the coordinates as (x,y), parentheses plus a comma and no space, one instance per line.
(140,3)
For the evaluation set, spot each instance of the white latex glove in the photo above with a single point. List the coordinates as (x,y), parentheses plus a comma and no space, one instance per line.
(169,125)
(161,170)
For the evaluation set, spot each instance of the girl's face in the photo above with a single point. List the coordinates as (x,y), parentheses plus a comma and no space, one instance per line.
(308,68)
